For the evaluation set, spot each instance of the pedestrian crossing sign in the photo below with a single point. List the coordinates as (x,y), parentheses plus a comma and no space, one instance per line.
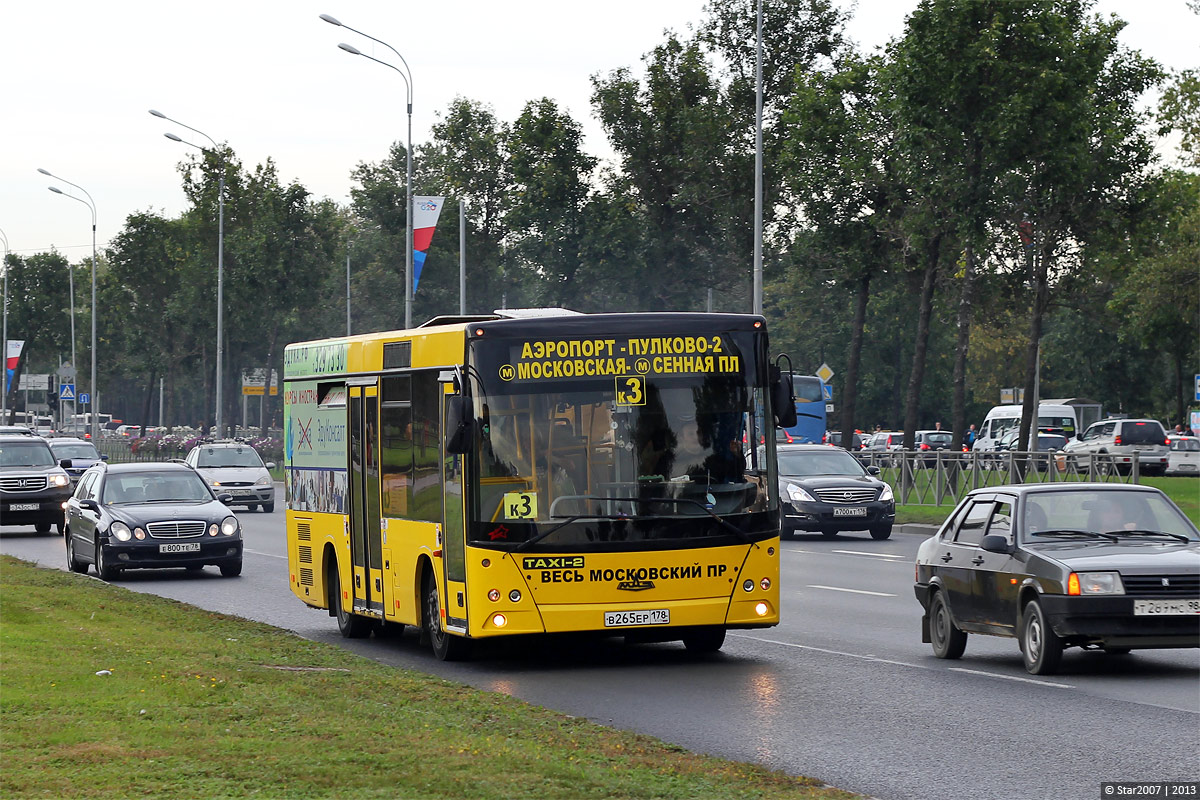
(66,391)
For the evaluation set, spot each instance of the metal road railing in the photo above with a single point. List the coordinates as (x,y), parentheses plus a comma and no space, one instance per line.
(943,477)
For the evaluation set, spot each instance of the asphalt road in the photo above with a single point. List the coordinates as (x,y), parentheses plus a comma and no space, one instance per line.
(843,690)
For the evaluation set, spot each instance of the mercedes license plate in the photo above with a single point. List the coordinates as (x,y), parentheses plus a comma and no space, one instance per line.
(622,619)
(180,547)
(850,511)
(1155,608)
(24,507)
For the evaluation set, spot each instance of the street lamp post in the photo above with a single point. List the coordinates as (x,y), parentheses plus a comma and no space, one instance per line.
(4,340)
(406,74)
(220,413)
(348,246)
(94,426)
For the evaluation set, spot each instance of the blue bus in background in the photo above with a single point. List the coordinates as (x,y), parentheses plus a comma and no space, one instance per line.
(810,411)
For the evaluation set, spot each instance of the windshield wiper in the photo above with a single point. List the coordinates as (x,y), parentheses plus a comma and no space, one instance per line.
(1075,532)
(1148,532)
(738,532)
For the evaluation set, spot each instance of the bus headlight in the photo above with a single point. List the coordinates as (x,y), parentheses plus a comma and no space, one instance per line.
(748,585)
(515,595)
(494,595)
(762,609)
(499,620)
(765,583)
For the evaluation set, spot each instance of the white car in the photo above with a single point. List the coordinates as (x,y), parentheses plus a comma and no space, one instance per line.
(235,468)
(1184,458)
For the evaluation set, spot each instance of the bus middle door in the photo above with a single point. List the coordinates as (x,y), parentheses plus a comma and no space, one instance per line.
(366,545)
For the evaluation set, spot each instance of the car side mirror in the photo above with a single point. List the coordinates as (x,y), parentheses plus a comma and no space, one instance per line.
(225,498)
(90,505)
(873,470)
(270,465)
(460,419)
(103,457)
(994,543)
(65,463)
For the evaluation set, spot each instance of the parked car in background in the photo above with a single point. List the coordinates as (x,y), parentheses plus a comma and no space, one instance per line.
(1184,457)
(1122,441)
(826,490)
(928,443)
(883,443)
(1048,444)
(1093,565)
(80,453)
(834,439)
(235,467)
(16,430)
(32,484)
(149,515)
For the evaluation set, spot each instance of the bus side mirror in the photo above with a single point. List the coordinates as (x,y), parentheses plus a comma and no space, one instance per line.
(459,424)
(783,398)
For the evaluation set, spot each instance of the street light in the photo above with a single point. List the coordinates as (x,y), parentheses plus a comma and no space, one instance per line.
(220,255)
(406,73)
(4,340)
(94,427)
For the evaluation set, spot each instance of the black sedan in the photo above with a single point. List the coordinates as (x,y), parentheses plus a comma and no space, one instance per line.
(1100,566)
(824,489)
(130,516)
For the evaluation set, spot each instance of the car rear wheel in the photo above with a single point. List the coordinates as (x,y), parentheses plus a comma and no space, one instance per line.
(1042,648)
(948,641)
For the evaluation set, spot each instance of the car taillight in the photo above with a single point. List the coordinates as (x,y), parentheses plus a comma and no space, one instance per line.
(924,447)
(1117,440)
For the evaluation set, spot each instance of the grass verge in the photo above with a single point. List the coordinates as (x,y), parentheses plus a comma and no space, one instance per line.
(1183,491)
(198,704)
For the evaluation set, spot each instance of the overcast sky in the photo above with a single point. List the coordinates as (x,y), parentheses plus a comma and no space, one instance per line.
(77,80)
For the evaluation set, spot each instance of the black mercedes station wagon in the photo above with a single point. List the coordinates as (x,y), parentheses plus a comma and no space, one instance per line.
(131,516)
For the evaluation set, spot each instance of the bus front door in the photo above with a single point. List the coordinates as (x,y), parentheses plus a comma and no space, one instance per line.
(365,528)
(454,556)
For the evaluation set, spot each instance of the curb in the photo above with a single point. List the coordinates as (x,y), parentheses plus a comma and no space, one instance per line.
(917,529)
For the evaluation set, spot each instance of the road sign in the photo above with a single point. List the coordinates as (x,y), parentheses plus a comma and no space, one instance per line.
(66,391)
(66,372)
(829,408)
(34,383)
(828,391)
(824,373)
(84,399)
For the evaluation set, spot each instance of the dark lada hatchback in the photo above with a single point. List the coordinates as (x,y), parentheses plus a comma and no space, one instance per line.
(1108,566)
(129,516)
(826,490)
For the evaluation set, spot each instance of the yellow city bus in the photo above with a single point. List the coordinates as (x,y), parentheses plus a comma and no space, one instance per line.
(528,473)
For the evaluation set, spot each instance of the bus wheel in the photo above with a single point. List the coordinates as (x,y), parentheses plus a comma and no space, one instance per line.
(446,646)
(705,640)
(350,625)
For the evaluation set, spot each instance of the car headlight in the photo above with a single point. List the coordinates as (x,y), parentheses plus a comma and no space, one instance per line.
(799,495)
(886,494)
(265,480)
(1080,583)
(229,526)
(121,531)
(59,480)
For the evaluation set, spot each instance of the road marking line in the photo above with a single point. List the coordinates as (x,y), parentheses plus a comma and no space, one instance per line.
(260,553)
(829,652)
(877,555)
(1011,677)
(854,591)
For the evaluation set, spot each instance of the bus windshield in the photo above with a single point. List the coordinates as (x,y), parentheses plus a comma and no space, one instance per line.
(656,450)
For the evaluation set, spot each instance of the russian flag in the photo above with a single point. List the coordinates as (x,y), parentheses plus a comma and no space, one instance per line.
(426,211)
